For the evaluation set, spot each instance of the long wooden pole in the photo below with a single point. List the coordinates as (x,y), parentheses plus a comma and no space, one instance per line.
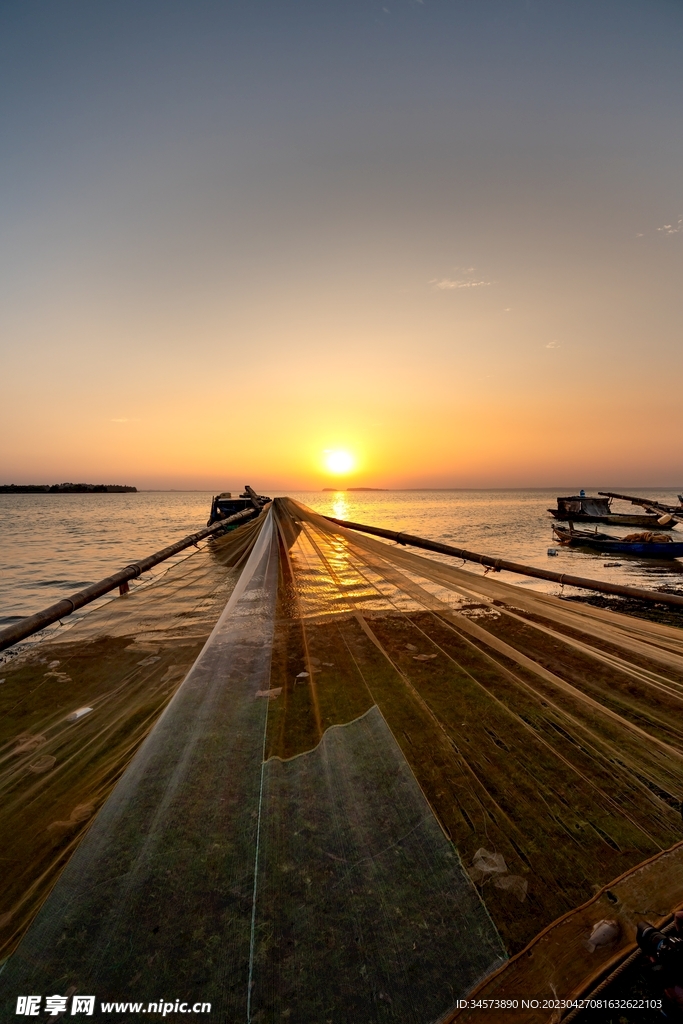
(33,623)
(645,502)
(564,578)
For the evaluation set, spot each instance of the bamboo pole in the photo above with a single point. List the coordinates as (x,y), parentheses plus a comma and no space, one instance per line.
(647,503)
(565,579)
(33,623)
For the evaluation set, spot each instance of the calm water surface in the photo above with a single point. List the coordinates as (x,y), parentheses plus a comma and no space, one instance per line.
(54,544)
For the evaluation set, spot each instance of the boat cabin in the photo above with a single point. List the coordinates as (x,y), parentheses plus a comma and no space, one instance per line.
(224,505)
(582,504)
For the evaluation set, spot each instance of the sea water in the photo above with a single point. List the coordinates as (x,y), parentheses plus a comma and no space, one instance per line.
(54,544)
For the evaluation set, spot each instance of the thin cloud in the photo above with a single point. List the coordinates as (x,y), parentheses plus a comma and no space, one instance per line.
(124,419)
(553,344)
(447,284)
(672,229)
(466,278)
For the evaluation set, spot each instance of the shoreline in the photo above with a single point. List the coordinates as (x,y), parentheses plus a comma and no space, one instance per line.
(635,607)
(67,489)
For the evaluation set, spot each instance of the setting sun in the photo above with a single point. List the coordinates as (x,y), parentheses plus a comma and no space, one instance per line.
(339,462)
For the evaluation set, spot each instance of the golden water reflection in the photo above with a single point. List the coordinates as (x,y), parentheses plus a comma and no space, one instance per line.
(340,508)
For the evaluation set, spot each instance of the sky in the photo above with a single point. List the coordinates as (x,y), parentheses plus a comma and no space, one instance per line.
(444,238)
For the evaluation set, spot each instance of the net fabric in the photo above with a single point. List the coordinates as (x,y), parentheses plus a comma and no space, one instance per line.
(123,661)
(420,772)
(361,898)
(186,866)
(546,737)
(165,873)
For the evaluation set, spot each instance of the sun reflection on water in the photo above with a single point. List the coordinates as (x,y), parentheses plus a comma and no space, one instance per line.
(340,508)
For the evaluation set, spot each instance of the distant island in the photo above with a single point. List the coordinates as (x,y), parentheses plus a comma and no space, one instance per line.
(65,488)
(354,489)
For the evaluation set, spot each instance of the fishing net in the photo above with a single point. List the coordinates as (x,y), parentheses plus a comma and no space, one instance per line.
(75,708)
(382,782)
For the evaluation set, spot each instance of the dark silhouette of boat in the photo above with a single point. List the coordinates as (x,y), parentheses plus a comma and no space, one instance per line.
(224,505)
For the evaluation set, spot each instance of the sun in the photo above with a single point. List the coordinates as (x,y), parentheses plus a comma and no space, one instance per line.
(339,462)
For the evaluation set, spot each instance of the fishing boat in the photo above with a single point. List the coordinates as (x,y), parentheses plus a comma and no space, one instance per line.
(644,545)
(582,508)
(224,505)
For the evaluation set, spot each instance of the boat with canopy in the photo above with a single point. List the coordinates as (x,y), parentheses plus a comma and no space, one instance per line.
(582,508)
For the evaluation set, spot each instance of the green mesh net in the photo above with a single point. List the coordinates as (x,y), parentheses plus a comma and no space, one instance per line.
(325,778)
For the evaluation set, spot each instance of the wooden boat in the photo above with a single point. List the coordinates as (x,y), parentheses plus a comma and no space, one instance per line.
(224,505)
(581,508)
(644,545)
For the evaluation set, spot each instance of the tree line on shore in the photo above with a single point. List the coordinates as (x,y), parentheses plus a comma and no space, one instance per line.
(67,488)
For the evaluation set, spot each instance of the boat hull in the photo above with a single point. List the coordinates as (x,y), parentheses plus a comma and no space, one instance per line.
(615,519)
(613,546)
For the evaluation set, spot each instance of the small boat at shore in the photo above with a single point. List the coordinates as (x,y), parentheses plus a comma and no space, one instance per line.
(644,545)
(582,508)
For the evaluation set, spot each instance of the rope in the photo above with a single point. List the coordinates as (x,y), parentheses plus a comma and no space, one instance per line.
(605,983)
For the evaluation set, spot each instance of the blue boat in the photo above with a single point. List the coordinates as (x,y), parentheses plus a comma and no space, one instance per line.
(643,545)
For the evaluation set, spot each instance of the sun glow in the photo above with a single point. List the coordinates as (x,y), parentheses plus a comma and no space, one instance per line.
(339,462)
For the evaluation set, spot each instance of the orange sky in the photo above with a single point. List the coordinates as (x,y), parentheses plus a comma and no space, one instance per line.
(444,238)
